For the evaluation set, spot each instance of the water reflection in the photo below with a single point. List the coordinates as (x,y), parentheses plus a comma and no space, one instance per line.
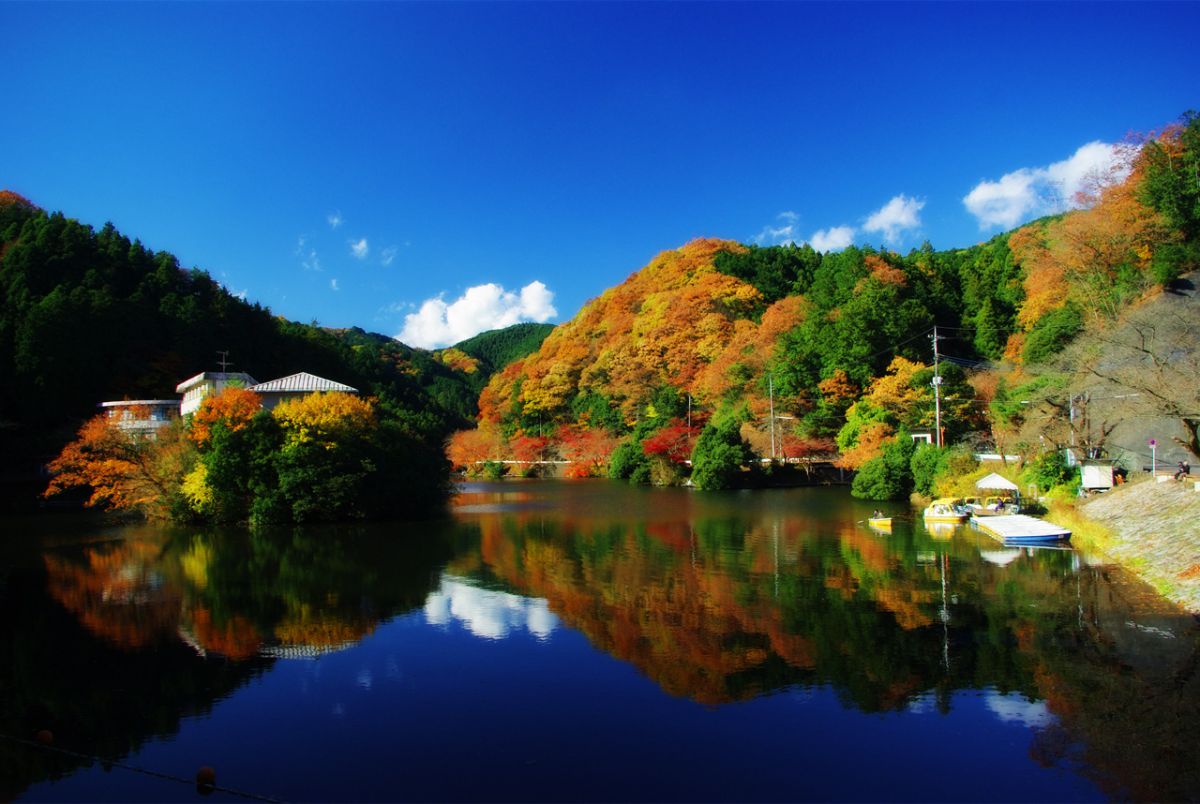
(488,613)
(716,599)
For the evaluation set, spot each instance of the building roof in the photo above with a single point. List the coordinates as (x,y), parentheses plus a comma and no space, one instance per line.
(301,383)
(215,376)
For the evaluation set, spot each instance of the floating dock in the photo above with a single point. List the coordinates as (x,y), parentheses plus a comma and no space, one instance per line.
(1020,529)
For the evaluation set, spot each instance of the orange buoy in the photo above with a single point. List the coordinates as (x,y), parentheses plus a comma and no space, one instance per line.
(45,737)
(206,777)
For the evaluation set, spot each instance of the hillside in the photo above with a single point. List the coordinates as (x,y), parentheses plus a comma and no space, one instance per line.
(89,315)
(1130,382)
(801,349)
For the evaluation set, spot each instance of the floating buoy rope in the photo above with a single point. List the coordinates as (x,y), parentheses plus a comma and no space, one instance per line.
(204,782)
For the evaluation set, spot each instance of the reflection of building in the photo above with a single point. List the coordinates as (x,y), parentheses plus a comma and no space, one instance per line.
(141,416)
(194,389)
(296,385)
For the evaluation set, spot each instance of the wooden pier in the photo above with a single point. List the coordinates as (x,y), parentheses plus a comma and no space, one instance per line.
(1020,529)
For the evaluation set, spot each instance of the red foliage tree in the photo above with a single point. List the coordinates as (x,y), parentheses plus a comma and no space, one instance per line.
(587,450)
(673,442)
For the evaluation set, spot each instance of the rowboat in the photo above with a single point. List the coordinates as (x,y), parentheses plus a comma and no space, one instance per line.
(880,523)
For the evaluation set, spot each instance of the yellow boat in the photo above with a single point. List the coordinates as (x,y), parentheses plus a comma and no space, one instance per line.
(946,509)
(880,523)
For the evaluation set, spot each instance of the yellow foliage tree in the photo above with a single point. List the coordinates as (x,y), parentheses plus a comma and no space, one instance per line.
(327,419)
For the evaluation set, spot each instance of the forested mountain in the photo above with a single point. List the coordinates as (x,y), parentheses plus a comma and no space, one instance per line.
(89,315)
(481,356)
(839,345)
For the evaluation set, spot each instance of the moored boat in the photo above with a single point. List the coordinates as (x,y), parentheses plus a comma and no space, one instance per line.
(946,509)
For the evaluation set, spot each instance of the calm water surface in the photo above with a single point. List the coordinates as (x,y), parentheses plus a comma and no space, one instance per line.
(590,641)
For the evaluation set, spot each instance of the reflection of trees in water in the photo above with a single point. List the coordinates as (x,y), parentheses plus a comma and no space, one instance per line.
(236,593)
(98,696)
(724,608)
(111,644)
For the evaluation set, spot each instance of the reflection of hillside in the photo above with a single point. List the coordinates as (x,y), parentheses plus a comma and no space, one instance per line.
(724,611)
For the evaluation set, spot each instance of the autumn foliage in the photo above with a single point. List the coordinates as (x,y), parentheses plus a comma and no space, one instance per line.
(233,408)
(122,471)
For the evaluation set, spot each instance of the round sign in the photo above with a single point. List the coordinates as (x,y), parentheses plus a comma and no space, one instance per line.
(1153,443)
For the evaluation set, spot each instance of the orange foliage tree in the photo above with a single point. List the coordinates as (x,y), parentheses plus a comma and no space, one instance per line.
(124,471)
(233,407)
(661,327)
(469,448)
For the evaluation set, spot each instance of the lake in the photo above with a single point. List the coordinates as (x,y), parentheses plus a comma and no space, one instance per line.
(588,641)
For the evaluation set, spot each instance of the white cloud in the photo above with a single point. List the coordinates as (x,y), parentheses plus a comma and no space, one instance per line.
(335,219)
(782,234)
(360,249)
(387,255)
(1028,193)
(333,284)
(835,238)
(894,217)
(308,261)
(487,613)
(480,308)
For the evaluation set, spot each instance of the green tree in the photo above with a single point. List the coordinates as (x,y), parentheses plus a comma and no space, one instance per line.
(888,477)
(720,454)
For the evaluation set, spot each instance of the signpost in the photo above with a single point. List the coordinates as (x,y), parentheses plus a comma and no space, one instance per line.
(1153,458)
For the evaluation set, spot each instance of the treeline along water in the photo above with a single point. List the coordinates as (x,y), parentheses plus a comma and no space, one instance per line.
(590,640)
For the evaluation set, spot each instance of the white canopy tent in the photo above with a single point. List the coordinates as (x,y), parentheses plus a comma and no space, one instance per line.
(995,482)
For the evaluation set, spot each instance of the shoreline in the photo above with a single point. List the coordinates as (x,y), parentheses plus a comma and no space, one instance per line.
(1151,529)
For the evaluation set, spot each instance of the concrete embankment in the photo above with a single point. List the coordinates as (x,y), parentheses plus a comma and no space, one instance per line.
(1155,533)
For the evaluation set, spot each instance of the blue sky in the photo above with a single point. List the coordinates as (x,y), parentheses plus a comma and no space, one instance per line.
(477,164)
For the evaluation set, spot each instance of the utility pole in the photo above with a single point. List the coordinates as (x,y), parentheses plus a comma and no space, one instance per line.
(937,388)
(224,361)
(771,392)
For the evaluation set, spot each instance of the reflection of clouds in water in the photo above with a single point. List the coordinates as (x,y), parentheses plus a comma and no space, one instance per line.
(488,613)
(922,704)
(1013,708)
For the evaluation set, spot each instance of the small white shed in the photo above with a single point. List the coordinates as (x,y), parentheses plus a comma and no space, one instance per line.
(1096,475)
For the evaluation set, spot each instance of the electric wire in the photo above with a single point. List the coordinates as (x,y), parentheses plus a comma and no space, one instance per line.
(135,769)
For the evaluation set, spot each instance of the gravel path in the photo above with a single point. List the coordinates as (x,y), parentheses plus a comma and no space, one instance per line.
(1158,535)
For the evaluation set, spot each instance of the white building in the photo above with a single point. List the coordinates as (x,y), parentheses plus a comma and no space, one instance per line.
(141,416)
(194,389)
